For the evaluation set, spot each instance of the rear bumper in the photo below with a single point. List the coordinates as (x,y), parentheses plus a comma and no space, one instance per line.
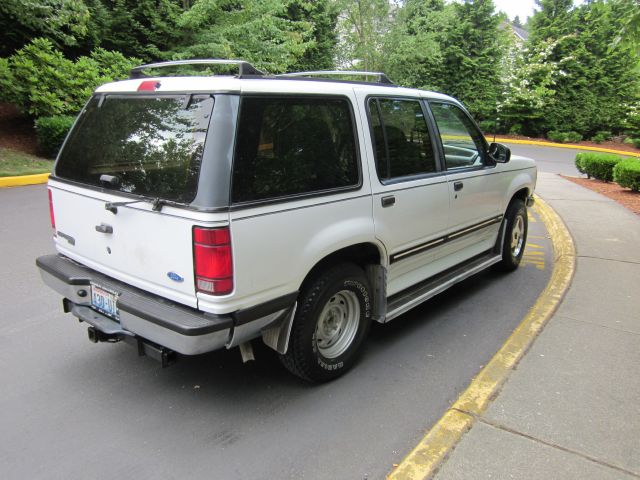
(147,316)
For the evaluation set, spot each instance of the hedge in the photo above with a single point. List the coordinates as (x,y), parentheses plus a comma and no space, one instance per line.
(597,165)
(51,132)
(627,174)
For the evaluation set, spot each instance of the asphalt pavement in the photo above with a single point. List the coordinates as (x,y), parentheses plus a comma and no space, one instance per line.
(70,409)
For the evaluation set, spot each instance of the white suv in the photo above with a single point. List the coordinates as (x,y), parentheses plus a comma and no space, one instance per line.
(197,213)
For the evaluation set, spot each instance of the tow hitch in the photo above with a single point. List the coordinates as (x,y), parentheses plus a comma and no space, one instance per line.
(165,356)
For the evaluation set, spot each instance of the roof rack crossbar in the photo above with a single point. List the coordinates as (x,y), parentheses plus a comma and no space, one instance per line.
(244,68)
(380,76)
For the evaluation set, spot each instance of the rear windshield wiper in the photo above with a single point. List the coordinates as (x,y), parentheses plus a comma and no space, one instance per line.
(156,204)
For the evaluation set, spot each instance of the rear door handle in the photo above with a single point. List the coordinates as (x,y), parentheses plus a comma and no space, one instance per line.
(457,186)
(388,201)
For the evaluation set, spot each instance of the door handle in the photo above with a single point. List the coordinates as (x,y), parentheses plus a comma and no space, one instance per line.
(388,201)
(104,228)
(457,186)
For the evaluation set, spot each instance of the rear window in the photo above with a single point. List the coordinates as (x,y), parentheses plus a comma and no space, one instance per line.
(151,145)
(293,146)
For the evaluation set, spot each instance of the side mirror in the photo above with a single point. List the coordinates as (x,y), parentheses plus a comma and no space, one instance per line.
(500,153)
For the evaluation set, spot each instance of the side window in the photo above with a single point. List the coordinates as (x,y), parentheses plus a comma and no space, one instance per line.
(461,140)
(401,138)
(289,146)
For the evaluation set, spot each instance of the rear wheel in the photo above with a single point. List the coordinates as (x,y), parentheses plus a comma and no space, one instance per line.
(515,237)
(331,323)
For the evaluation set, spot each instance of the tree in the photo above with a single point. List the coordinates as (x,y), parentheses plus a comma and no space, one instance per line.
(62,22)
(455,48)
(142,28)
(322,15)
(413,47)
(597,86)
(363,25)
(254,30)
(473,55)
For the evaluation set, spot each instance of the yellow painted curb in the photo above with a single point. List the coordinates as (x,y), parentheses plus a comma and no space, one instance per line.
(425,459)
(564,145)
(24,180)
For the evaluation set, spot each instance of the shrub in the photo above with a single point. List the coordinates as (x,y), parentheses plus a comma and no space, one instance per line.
(51,132)
(43,83)
(600,137)
(627,174)
(636,142)
(556,136)
(599,165)
(573,137)
(578,161)
(564,137)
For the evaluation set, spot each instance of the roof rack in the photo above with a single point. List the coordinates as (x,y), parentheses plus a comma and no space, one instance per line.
(245,69)
(380,77)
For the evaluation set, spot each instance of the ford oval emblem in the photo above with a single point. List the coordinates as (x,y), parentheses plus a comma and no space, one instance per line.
(175,277)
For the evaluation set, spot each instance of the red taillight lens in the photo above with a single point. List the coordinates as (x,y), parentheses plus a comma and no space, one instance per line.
(213,260)
(51,215)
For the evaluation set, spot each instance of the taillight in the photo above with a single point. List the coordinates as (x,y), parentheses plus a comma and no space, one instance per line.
(212,260)
(51,215)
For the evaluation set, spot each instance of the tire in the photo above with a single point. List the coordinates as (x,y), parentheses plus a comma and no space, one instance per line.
(330,325)
(515,237)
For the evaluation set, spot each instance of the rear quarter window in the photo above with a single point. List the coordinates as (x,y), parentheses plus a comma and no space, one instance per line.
(292,146)
(153,145)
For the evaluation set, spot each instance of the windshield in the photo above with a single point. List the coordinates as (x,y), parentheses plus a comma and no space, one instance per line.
(143,145)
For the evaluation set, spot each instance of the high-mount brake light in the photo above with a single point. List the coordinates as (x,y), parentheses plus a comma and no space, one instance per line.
(149,86)
(213,260)
(51,214)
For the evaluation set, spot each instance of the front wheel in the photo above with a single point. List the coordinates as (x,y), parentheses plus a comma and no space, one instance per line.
(515,237)
(330,325)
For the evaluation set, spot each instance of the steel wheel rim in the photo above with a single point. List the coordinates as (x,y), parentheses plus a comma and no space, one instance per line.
(517,236)
(337,324)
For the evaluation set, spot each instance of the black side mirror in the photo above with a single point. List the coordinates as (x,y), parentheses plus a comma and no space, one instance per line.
(499,152)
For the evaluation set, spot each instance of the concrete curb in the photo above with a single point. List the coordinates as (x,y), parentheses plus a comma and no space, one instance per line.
(24,180)
(425,459)
(570,146)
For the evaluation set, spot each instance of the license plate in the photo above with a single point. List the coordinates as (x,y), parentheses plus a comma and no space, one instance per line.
(104,300)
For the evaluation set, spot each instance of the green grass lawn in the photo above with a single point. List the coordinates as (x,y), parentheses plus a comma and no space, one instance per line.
(14,163)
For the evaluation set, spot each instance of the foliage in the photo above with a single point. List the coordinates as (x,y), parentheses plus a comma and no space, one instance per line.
(564,137)
(455,48)
(258,31)
(578,162)
(598,165)
(63,22)
(13,163)
(363,25)
(636,142)
(594,86)
(51,132)
(627,174)
(42,82)
(141,28)
(322,15)
(601,136)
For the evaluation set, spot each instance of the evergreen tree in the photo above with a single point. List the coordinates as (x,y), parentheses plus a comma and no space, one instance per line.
(473,55)
(323,17)
(596,85)
(142,28)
